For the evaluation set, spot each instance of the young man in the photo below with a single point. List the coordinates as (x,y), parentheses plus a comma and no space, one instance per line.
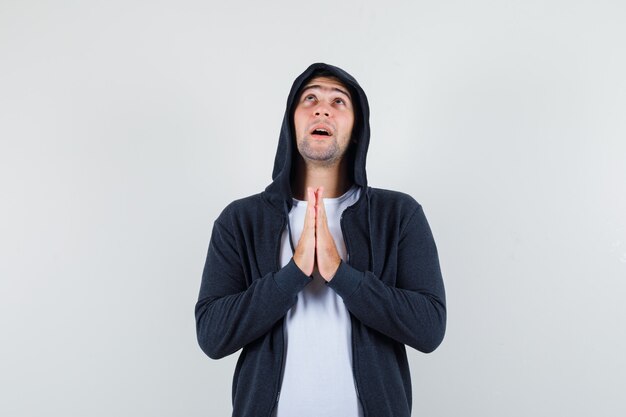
(321,279)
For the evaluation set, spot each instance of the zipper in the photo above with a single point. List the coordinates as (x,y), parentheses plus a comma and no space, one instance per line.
(280,371)
(356,384)
(282,330)
(354,375)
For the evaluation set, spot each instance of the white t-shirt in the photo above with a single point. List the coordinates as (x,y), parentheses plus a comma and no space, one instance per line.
(317,370)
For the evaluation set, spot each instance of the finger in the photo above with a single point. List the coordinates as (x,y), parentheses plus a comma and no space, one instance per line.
(309,219)
(311,201)
(321,209)
(315,191)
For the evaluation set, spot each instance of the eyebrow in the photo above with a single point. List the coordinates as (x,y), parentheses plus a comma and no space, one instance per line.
(308,87)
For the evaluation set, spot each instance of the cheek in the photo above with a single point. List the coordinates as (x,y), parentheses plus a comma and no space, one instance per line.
(298,121)
(349,124)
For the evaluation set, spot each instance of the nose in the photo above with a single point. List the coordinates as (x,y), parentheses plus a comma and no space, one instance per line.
(322,109)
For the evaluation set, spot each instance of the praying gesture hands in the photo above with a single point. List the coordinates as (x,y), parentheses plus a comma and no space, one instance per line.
(316,246)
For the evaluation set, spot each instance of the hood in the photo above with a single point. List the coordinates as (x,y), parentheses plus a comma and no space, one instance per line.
(279,191)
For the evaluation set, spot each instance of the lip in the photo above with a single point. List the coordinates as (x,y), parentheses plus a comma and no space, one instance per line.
(324,126)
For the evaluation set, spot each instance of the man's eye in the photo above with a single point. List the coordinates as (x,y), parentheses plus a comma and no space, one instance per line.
(310,97)
(339,101)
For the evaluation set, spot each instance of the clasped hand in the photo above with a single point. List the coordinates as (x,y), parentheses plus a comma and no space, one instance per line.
(316,246)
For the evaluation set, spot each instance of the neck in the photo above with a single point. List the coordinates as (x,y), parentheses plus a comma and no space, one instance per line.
(333,178)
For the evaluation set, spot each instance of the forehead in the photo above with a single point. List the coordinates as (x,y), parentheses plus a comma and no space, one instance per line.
(326,84)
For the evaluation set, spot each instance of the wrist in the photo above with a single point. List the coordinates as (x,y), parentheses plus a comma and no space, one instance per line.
(330,274)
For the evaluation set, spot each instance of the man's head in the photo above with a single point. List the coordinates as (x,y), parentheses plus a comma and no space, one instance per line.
(323,120)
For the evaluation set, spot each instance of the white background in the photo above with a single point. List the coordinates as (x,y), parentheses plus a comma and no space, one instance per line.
(126,127)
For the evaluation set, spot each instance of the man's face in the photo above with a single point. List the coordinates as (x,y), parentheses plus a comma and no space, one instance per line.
(323,120)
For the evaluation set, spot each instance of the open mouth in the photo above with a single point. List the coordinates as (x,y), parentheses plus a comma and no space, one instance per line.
(320,131)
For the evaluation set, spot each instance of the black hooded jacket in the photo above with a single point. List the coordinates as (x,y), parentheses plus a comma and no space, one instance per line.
(391,282)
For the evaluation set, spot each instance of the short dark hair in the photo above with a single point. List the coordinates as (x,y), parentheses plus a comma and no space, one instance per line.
(324,72)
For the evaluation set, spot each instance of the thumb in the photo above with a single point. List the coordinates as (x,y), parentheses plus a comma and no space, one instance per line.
(309,219)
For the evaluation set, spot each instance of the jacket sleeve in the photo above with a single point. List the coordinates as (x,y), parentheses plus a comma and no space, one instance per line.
(413,311)
(229,312)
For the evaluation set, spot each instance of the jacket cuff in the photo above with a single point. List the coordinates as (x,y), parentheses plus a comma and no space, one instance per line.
(290,279)
(346,280)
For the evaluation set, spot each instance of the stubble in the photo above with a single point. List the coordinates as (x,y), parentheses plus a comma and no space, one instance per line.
(326,155)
